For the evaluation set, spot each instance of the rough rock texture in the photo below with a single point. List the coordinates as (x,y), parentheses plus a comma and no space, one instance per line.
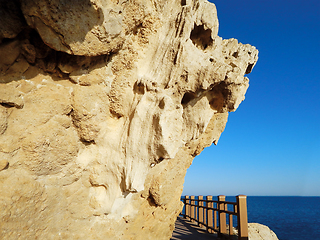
(103,106)
(260,232)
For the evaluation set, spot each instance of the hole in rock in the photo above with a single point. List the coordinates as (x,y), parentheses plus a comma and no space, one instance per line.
(162,104)
(187,97)
(249,68)
(201,37)
(217,102)
(217,96)
(138,88)
(137,28)
(183,2)
(235,54)
(161,151)
(151,201)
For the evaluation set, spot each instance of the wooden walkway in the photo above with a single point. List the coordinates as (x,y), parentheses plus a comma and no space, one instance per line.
(187,230)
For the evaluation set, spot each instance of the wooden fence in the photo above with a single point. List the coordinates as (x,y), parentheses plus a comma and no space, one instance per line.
(213,214)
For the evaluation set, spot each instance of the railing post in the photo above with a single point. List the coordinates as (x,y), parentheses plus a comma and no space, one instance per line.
(209,214)
(187,207)
(222,215)
(196,215)
(242,217)
(200,211)
(192,209)
(230,224)
(215,226)
(205,212)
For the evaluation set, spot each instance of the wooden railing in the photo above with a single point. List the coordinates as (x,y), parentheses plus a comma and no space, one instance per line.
(213,214)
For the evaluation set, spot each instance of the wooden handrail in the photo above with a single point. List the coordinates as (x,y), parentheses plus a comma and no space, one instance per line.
(205,211)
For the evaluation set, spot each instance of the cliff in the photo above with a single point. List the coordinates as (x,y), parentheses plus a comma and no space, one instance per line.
(103,106)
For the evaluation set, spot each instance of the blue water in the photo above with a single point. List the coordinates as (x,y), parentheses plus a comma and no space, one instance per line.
(291,218)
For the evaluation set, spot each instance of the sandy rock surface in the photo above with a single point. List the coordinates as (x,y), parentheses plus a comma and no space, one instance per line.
(103,106)
(258,231)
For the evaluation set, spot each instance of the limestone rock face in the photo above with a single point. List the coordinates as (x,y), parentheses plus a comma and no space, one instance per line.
(103,106)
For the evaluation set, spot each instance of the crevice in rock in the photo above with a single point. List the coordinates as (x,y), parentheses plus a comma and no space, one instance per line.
(94,184)
(7,105)
(137,28)
(58,64)
(125,193)
(157,160)
(151,201)
(187,97)
(249,68)
(217,101)
(69,63)
(218,96)
(70,113)
(139,88)
(123,188)
(116,114)
(11,104)
(86,142)
(175,59)
(235,54)
(161,153)
(201,37)
(162,104)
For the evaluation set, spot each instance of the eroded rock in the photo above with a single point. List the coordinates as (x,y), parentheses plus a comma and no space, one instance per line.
(260,232)
(103,106)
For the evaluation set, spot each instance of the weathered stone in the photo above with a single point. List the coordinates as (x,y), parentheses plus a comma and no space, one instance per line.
(99,29)
(9,52)
(90,109)
(3,164)
(260,232)
(22,203)
(10,96)
(49,148)
(11,19)
(102,110)
(3,119)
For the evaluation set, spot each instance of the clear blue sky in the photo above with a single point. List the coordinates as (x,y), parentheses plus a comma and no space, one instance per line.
(271,144)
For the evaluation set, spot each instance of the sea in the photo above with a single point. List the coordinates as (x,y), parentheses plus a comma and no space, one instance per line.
(291,218)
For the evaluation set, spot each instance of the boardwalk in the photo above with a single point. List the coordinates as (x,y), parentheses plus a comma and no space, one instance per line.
(190,231)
